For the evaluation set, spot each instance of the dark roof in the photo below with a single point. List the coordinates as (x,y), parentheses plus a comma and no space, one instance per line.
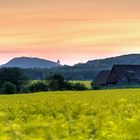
(102,78)
(120,71)
(126,67)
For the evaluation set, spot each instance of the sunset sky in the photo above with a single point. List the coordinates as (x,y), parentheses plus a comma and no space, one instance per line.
(69,30)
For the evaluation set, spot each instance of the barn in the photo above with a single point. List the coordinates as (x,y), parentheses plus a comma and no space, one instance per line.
(120,74)
(102,78)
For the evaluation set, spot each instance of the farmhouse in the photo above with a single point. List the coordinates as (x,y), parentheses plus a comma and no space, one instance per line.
(120,74)
(102,78)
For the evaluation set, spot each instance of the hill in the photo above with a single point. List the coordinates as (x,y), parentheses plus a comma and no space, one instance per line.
(89,70)
(28,62)
(124,59)
(107,63)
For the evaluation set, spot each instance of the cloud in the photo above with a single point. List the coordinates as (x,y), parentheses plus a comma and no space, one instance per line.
(21,3)
(14,34)
(9,51)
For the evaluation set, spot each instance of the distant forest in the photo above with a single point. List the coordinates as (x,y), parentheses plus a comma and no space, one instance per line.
(67,73)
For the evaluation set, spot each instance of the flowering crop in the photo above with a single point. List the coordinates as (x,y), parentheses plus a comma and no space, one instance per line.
(87,115)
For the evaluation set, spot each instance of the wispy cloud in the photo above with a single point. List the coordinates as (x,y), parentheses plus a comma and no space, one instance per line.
(15,34)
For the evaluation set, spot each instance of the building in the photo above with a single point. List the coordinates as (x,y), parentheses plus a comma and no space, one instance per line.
(58,62)
(102,78)
(120,74)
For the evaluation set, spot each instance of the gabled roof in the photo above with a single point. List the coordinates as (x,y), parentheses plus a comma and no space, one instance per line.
(120,71)
(126,67)
(102,78)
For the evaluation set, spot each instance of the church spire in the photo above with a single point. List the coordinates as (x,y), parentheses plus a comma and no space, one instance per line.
(58,62)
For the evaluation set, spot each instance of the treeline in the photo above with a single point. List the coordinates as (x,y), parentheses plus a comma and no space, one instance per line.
(15,80)
(69,73)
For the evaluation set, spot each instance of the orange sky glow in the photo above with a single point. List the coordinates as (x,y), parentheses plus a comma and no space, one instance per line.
(69,30)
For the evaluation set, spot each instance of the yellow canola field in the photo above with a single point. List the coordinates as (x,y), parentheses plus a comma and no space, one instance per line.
(71,115)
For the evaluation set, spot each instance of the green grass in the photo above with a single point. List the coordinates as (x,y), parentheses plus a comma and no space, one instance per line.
(86,83)
(87,115)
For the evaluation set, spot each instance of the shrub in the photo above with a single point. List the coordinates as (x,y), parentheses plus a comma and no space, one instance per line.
(67,85)
(25,89)
(92,84)
(8,88)
(97,87)
(37,86)
(79,87)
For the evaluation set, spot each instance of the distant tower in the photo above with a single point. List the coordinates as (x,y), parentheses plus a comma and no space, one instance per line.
(81,62)
(58,62)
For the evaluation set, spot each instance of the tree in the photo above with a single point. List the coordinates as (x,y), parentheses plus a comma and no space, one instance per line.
(14,75)
(79,87)
(8,88)
(130,76)
(56,82)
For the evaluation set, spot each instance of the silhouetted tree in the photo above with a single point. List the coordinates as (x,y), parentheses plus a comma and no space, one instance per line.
(8,88)
(56,82)
(14,75)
